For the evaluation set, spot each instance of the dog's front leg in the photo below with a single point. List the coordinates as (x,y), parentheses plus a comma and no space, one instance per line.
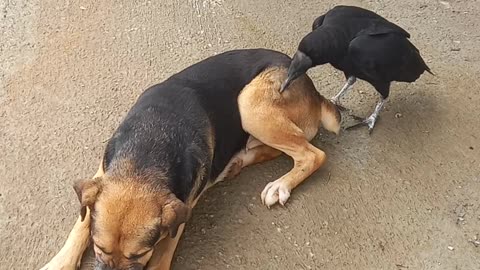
(164,251)
(68,258)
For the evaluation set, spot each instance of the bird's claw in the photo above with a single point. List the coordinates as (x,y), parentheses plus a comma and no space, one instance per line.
(340,107)
(359,124)
(337,104)
(369,122)
(358,118)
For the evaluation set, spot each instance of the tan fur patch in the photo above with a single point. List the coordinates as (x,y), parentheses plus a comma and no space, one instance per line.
(286,121)
(125,212)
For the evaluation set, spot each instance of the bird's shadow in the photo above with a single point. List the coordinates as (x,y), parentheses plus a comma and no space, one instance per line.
(412,108)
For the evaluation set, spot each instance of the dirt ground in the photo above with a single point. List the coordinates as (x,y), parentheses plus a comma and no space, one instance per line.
(406,197)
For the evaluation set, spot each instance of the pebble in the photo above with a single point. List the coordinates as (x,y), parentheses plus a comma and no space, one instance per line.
(398,115)
(450,248)
(445,4)
(475,241)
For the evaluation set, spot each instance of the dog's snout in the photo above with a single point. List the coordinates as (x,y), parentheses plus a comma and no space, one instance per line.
(136,266)
(99,265)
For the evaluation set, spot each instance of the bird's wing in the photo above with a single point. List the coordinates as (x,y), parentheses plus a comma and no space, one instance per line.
(386,57)
(318,22)
(381,26)
(377,56)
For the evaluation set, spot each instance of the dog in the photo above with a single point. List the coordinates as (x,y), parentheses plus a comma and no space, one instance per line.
(200,126)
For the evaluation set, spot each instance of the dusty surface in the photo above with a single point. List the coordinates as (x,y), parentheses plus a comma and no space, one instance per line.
(398,199)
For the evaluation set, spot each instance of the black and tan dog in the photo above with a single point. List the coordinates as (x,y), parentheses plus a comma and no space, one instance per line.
(182,136)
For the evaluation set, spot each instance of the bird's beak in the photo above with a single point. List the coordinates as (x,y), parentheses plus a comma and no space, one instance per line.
(285,84)
(299,65)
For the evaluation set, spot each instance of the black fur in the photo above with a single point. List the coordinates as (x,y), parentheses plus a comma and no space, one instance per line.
(167,129)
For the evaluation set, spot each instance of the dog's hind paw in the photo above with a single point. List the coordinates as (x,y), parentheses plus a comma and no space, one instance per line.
(274,192)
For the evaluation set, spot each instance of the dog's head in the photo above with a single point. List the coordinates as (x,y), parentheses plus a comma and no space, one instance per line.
(128,218)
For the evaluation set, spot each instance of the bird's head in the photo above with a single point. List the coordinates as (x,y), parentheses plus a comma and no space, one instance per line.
(299,65)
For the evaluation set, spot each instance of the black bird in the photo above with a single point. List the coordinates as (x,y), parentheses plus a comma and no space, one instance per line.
(363,45)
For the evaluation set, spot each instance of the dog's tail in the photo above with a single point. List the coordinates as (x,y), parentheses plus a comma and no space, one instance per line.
(331,117)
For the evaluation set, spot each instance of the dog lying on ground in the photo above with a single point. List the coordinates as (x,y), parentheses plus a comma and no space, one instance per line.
(181,137)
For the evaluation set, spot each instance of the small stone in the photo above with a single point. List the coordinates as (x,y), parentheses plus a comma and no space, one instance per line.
(83,8)
(398,115)
(450,248)
(445,4)
(456,49)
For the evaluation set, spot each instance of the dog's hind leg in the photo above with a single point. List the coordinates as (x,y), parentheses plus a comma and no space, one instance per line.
(285,122)
(69,257)
(164,251)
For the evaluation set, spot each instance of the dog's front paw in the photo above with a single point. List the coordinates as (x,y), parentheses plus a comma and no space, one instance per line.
(274,192)
(59,265)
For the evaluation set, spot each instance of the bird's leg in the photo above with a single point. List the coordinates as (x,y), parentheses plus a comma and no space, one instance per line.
(370,121)
(350,81)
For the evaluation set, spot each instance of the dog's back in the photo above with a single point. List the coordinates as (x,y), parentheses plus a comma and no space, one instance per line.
(172,124)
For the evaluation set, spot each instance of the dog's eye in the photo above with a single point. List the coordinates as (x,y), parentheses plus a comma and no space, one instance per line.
(103,250)
(138,256)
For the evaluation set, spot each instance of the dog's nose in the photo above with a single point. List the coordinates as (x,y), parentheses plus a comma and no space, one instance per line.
(99,265)
(136,266)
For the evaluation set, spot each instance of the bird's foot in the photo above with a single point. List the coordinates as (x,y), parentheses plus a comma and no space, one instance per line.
(336,102)
(369,122)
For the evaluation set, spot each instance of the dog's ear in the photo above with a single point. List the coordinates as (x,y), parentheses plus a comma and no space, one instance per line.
(87,192)
(174,214)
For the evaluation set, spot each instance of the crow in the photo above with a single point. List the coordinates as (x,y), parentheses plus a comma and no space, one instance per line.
(363,45)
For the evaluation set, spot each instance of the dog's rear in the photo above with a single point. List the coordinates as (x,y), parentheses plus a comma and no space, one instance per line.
(303,104)
(285,122)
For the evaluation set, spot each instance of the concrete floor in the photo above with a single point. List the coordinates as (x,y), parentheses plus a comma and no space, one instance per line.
(397,199)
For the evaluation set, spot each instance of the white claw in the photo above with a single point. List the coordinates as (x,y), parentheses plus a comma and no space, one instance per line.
(274,192)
